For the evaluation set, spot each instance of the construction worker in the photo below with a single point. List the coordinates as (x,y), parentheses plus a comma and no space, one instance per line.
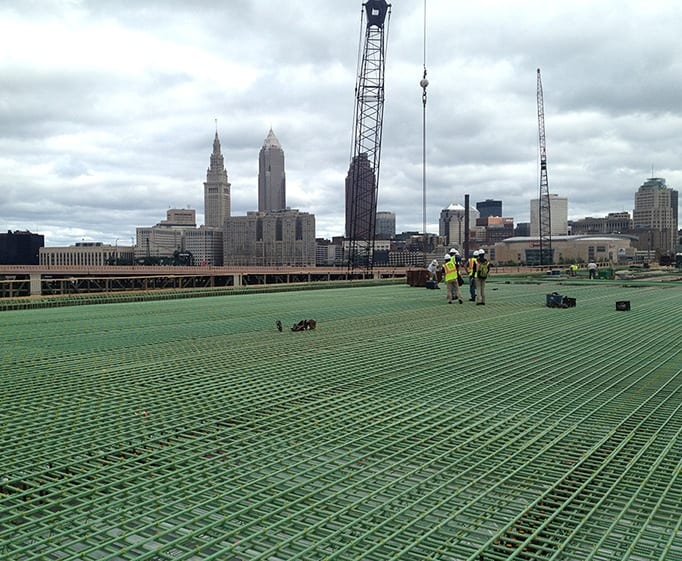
(471,267)
(592,270)
(433,272)
(451,279)
(454,254)
(481,270)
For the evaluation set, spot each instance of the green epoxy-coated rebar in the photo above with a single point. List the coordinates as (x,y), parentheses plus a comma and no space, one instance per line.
(401,428)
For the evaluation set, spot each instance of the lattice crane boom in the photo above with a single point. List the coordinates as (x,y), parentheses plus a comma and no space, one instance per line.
(362,182)
(544,208)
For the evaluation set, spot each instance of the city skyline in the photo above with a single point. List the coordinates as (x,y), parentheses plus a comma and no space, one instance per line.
(108,111)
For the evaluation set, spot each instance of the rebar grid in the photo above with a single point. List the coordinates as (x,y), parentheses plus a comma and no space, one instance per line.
(401,428)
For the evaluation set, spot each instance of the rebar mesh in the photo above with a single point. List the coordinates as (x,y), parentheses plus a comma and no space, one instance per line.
(400,428)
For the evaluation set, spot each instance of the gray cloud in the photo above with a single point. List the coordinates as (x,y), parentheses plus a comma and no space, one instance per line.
(107,108)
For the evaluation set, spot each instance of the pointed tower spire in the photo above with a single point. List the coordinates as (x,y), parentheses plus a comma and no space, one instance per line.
(271,141)
(216,188)
(217,165)
(216,143)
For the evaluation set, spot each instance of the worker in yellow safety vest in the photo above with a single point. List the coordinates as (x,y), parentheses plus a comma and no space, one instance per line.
(451,279)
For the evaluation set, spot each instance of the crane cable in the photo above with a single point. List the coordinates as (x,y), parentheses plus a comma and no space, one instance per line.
(424,83)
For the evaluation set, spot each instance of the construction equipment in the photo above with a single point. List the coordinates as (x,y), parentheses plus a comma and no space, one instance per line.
(544,209)
(362,182)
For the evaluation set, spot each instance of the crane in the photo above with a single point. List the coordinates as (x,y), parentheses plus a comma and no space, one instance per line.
(362,181)
(544,209)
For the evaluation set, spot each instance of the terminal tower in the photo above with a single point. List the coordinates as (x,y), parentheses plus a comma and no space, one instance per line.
(216,189)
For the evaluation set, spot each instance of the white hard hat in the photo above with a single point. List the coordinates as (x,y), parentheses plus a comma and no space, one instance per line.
(447,257)
(481,251)
(476,253)
(453,251)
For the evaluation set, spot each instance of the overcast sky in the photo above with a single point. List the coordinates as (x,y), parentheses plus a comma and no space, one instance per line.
(108,108)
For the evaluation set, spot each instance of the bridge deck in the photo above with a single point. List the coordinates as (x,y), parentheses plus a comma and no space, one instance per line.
(400,428)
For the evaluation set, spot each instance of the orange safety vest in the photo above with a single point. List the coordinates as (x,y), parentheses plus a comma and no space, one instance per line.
(471,266)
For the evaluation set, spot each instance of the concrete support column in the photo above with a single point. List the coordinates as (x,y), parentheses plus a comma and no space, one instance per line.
(237,279)
(36,284)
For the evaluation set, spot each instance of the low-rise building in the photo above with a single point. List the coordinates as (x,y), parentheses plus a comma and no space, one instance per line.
(205,245)
(178,235)
(612,223)
(278,237)
(496,229)
(87,254)
(565,249)
(20,247)
(329,253)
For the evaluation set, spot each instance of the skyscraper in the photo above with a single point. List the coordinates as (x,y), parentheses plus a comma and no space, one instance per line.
(271,176)
(385,226)
(360,200)
(558,208)
(452,224)
(655,216)
(489,207)
(216,190)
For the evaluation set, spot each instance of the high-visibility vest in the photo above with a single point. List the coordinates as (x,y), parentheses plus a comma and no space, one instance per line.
(471,266)
(450,268)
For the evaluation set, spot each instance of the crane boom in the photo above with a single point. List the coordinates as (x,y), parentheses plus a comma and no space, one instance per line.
(544,208)
(362,181)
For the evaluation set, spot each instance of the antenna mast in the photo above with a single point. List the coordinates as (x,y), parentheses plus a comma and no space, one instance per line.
(544,210)
(362,182)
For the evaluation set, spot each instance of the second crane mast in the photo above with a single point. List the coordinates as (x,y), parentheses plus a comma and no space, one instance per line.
(544,208)
(362,182)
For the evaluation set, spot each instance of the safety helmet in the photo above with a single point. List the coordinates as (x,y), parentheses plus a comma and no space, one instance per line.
(476,253)
(453,251)
(447,257)
(481,251)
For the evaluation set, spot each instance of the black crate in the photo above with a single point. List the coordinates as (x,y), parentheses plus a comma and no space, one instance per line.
(555,301)
(559,301)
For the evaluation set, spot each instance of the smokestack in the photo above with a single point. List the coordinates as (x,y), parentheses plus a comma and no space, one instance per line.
(466,226)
